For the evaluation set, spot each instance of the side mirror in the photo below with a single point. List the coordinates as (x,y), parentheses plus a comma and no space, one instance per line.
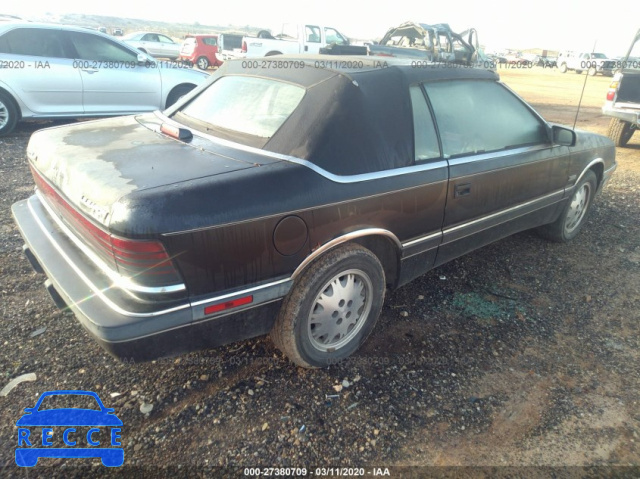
(563,136)
(143,58)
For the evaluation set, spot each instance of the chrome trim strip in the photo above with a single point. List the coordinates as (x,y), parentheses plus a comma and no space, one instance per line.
(587,168)
(98,292)
(119,280)
(208,318)
(342,239)
(422,239)
(239,293)
(345,179)
(461,160)
(504,213)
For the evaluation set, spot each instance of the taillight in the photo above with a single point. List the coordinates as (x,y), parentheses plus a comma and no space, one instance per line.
(613,87)
(244,47)
(140,262)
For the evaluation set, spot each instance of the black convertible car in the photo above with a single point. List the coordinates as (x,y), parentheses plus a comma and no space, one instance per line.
(286,196)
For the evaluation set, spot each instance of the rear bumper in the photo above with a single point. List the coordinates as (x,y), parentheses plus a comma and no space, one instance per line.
(124,325)
(628,115)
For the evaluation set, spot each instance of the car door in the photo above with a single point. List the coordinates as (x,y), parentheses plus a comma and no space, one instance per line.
(505,175)
(312,39)
(40,71)
(151,44)
(114,82)
(167,48)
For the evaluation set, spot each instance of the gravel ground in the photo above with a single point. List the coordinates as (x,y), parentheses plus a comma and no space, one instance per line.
(524,353)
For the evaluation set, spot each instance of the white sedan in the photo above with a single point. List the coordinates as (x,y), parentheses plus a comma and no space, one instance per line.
(57,71)
(155,44)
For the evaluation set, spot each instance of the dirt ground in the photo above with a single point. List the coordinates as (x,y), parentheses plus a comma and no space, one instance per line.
(523,354)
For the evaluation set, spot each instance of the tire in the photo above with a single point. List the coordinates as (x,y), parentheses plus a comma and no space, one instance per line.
(8,114)
(177,93)
(331,308)
(592,71)
(202,63)
(573,216)
(579,72)
(620,131)
(563,68)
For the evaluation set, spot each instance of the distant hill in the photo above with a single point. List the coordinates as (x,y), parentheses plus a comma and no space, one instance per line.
(129,25)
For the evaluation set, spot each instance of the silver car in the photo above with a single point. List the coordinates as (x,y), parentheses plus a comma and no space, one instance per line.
(57,71)
(155,44)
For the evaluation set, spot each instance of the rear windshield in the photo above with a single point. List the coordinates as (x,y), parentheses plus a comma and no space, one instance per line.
(190,41)
(248,105)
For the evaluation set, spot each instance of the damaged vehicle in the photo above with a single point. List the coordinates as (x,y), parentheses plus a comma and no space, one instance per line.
(286,201)
(623,97)
(437,43)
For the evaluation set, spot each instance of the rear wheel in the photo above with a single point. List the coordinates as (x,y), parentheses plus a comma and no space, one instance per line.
(331,308)
(572,218)
(620,131)
(592,71)
(202,63)
(563,68)
(8,114)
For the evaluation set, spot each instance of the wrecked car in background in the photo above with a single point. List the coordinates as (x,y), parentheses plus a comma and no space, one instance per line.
(288,200)
(437,43)
(623,98)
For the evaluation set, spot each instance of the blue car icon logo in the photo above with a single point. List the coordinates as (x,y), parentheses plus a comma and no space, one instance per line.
(69,432)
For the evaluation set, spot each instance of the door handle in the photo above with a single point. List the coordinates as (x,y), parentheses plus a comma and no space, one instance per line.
(462,190)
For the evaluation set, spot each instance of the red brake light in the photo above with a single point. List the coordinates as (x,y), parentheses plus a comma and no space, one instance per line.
(244,47)
(611,94)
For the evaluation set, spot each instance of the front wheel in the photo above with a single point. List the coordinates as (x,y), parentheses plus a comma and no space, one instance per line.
(620,131)
(592,71)
(563,68)
(573,216)
(331,308)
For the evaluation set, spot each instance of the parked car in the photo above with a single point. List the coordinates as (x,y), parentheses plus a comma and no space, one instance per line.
(427,43)
(623,98)
(56,71)
(287,203)
(292,38)
(155,44)
(591,62)
(117,32)
(229,46)
(200,50)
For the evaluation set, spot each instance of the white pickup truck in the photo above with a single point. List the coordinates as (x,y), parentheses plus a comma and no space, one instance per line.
(292,39)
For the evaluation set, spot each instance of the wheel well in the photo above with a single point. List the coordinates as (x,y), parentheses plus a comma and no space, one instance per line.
(270,54)
(177,87)
(387,254)
(13,100)
(598,169)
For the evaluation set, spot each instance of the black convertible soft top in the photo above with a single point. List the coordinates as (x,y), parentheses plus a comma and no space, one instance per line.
(356,114)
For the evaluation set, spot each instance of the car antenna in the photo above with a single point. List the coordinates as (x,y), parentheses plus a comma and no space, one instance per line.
(584,85)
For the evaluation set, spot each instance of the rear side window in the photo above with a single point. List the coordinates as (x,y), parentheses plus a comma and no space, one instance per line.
(424,132)
(480,116)
(37,42)
(254,106)
(210,41)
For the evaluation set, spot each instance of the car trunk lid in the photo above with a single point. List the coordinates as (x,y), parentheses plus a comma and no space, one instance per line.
(94,164)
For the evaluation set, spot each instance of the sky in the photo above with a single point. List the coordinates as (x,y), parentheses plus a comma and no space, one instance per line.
(548,24)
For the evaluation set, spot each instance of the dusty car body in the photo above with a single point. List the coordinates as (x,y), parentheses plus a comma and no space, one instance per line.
(623,97)
(286,201)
